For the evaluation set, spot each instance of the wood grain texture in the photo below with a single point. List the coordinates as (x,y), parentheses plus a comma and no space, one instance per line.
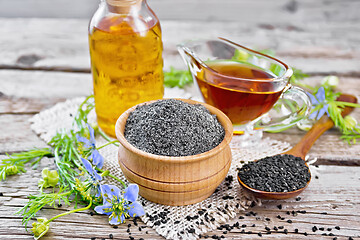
(315,47)
(330,193)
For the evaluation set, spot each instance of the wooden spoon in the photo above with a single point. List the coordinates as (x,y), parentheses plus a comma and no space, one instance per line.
(302,148)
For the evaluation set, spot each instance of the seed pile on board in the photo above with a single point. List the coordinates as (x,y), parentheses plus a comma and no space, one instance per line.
(279,173)
(173,128)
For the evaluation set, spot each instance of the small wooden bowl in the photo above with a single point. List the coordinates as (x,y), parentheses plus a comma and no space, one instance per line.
(273,195)
(175,180)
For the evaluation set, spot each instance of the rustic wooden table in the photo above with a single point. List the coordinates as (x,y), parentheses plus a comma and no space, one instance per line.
(45,61)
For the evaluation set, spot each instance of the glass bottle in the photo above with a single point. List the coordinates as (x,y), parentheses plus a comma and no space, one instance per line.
(126,58)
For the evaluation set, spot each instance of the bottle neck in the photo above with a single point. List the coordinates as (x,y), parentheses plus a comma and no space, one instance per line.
(123,6)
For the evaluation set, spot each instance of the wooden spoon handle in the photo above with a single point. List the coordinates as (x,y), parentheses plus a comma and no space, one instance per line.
(321,126)
(303,147)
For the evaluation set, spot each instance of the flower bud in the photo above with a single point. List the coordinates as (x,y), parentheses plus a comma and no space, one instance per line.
(11,170)
(40,227)
(50,178)
(331,81)
(350,122)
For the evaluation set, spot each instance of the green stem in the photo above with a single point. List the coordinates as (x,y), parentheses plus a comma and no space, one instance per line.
(77,155)
(113,177)
(106,137)
(348,104)
(72,211)
(85,101)
(108,143)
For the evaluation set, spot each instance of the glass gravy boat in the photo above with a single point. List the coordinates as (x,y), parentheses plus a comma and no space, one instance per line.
(245,85)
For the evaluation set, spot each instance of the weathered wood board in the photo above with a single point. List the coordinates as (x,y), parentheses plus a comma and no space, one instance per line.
(335,193)
(320,48)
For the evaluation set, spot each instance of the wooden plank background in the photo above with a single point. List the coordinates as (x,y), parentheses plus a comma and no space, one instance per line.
(44,60)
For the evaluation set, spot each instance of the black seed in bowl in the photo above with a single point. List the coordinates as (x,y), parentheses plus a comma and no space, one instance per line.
(279,173)
(173,128)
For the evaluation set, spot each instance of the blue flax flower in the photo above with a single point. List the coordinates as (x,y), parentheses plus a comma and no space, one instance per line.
(95,156)
(118,208)
(318,99)
(88,143)
(95,178)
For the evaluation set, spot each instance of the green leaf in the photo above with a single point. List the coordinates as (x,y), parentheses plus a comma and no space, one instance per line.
(177,78)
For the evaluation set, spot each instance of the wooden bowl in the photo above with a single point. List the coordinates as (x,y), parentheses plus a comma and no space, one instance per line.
(175,180)
(273,195)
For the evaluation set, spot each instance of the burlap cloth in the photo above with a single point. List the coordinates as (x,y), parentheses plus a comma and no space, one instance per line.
(184,222)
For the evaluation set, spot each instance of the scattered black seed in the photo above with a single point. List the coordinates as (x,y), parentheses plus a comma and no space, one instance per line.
(214,237)
(157,223)
(103,239)
(298,198)
(278,216)
(140,229)
(316,177)
(222,236)
(280,227)
(305,233)
(282,218)
(131,238)
(243,226)
(321,228)
(128,230)
(267,219)
(314,228)
(289,221)
(225,232)
(324,234)
(209,206)
(267,228)
(279,173)
(275,228)
(182,232)
(286,231)
(59,205)
(177,222)
(296,230)
(279,206)
(91,213)
(329,229)
(288,212)
(116,227)
(350,238)
(325,213)
(337,227)
(93,238)
(111,236)
(335,238)
(259,233)
(241,217)
(249,232)
(331,234)
(147,232)
(141,239)
(173,128)
(247,214)
(129,225)
(212,220)
(191,230)
(253,225)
